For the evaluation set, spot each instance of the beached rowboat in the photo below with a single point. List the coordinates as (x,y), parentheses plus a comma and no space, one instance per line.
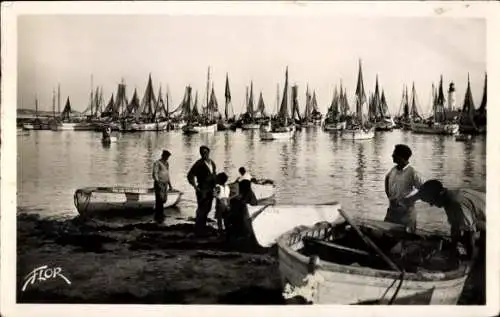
(120,201)
(270,222)
(347,271)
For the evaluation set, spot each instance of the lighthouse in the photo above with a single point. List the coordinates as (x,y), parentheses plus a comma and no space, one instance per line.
(451,97)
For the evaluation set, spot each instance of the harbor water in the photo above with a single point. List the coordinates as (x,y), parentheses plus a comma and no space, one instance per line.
(314,167)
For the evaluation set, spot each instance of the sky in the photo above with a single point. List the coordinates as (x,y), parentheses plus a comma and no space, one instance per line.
(177,50)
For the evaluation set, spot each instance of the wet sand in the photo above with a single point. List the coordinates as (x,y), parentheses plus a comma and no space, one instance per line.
(141,264)
(145,263)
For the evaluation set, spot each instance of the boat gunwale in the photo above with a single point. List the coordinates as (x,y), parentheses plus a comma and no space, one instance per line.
(123,190)
(290,238)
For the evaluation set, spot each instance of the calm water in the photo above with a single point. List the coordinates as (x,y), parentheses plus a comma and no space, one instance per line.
(315,167)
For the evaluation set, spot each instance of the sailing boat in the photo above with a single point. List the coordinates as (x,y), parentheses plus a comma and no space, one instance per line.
(480,118)
(358,129)
(468,116)
(437,123)
(379,111)
(226,122)
(66,122)
(248,119)
(385,123)
(312,116)
(36,125)
(335,119)
(281,127)
(207,124)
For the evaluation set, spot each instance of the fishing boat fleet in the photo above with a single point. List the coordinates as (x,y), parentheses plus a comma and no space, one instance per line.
(203,115)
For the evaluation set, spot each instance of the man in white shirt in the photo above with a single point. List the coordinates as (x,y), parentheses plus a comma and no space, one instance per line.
(161,178)
(400,182)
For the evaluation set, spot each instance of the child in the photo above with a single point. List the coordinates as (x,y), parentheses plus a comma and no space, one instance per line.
(221,193)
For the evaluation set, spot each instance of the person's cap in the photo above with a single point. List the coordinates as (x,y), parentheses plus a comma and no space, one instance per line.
(165,153)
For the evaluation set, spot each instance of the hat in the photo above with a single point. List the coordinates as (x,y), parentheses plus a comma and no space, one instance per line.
(165,153)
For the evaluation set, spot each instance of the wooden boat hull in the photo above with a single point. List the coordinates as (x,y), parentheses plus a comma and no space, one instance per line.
(358,134)
(285,133)
(250,126)
(272,221)
(116,201)
(153,126)
(442,129)
(335,126)
(212,128)
(65,126)
(335,283)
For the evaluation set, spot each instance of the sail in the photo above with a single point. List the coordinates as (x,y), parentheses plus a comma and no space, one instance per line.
(121,104)
(250,105)
(295,103)
(148,103)
(314,104)
(133,107)
(384,108)
(360,94)
(261,107)
(160,112)
(333,111)
(227,95)
(66,113)
(213,105)
(414,108)
(108,111)
(482,107)
(308,110)
(194,112)
(468,109)
(283,112)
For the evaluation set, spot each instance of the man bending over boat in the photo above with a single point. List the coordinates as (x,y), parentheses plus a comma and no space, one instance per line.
(202,177)
(465,210)
(162,185)
(400,182)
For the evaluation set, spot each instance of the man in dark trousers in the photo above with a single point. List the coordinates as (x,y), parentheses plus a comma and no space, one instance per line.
(162,185)
(202,177)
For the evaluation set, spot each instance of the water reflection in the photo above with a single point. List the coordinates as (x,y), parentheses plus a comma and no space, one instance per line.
(315,167)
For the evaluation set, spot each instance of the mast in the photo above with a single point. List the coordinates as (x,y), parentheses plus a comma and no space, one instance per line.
(58,99)
(36,106)
(53,102)
(91,95)
(208,91)
(227,94)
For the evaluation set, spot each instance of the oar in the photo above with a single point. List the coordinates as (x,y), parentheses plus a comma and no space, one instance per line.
(369,242)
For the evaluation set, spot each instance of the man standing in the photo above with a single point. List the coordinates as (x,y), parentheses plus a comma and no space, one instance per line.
(202,177)
(400,182)
(161,178)
(465,210)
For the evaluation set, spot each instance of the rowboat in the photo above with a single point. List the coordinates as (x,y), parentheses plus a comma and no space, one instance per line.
(334,126)
(250,126)
(120,201)
(269,222)
(435,128)
(358,134)
(329,263)
(264,190)
(190,129)
(286,133)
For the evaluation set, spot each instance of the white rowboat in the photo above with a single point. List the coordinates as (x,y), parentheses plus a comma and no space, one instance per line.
(120,201)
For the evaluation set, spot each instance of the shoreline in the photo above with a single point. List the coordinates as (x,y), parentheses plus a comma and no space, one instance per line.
(146,263)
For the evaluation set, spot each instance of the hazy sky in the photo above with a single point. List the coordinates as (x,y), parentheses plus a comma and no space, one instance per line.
(177,50)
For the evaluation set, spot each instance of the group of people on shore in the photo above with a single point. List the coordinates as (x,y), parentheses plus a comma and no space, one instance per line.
(230,211)
(464,208)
